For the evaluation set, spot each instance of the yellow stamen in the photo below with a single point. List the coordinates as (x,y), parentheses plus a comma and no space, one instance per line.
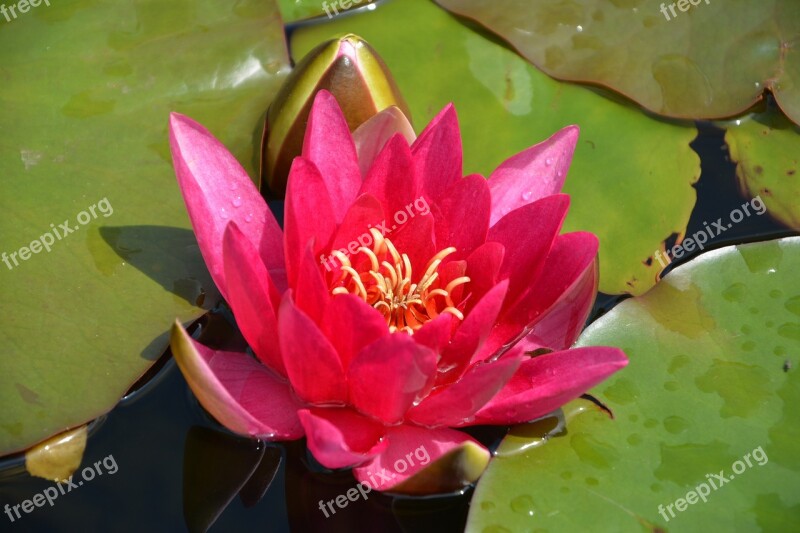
(386,284)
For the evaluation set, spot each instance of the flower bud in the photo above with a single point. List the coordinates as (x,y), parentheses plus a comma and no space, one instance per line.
(357,77)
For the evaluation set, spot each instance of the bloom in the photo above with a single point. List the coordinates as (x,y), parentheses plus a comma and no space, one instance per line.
(420,327)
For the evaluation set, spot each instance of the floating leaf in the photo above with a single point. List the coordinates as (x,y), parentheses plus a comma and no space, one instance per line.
(680,59)
(766,148)
(57,457)
(631,178)
(708,385)
(87,91)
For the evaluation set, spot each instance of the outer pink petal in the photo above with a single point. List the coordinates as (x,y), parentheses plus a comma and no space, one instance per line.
(532,174)
(217,190)
(312,363)
(237,390)
(250,295)
(351,325)
(308,216)
(389,375)
(416,447)
(545,383)
(527,235)
(340,438)
(371,136)
(329,145)
(457,403)
(465,216)
(438,154)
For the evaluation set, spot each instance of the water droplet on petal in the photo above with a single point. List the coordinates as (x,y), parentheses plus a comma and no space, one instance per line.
(548,161)
(249,217)
(559,173)
(527,195)
(223,213)
(237,202)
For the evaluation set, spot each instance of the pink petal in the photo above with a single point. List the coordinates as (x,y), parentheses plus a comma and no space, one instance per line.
(365,212)
(217,190)
(371,136)
(527,235)
(312,364)
(532,174)
(455,404)
(311,293)
(340,438)
(250,295)
(351,324)
(389,375)
(306,194)
(415,239)
(561,299)
(465,211)
(329,145)
(438,154)
(473,332)
(545,383)
(237,390)
(483,269)
(391,179)
(435,334)
(410,449)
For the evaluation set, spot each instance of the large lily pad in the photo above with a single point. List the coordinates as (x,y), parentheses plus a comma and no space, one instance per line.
(87,89)
(708,383)
(708,60)
(766,148)
(631,177)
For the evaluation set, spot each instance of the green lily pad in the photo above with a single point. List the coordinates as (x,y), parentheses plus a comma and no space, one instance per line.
(88,86)
(631,179)
(712,380)
(766,148)
(697,59)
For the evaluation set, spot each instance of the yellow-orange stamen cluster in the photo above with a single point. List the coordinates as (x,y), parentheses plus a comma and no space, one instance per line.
(386,285)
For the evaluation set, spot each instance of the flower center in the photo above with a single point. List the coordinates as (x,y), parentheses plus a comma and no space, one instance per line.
(385,283)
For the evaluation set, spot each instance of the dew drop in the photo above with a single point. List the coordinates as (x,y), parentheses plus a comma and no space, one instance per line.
(548,161)
(527,195)
(223,213)
(523,505)
(237,202)
(249,217)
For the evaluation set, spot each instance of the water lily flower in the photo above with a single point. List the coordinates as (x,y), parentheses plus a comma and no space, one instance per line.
(401,302)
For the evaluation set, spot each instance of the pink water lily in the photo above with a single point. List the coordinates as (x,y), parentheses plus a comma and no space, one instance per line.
(376,334)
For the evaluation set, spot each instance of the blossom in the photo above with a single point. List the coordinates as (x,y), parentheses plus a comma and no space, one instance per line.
(461,315)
